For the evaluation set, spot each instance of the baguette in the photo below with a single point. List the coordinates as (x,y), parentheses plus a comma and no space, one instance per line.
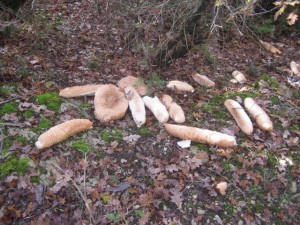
(240,116)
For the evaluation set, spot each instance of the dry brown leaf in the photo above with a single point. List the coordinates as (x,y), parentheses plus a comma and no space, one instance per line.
(292,18)
(222,187)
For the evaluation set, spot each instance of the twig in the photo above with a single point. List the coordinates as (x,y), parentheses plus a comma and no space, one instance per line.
(228,181)
(84,176)
(9,100)
(11,124)
(1,139)
(78,189)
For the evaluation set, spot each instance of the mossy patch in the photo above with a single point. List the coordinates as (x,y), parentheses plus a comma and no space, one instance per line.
(156,81)
(7,142)
(81,145)
(35,179)
(50,99)
(22,139)
(266,81)
(111,135)
(207,54)
(144,132)
(28,113)
(275,100)
(14,164)
(8,108)
(94,64)
(45,123)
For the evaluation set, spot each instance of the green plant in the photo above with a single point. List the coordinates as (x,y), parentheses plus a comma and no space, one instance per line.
(111,135)
(275,100)
(265,28)
(22,139)
(35,179)
(106,198)
(49,99)
(81,145)
(94,64)
(144,132)
(156,81)
(8,108)
(23,72)
(45,123)
(265,80)
(113,216)
(206,53)
(14,164)
(140,212)
(28,113)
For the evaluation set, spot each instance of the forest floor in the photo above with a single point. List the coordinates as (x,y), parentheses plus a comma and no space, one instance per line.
(117,173)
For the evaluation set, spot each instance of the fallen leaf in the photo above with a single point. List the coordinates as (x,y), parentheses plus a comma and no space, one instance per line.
(292,18)
(222,187)
(176,197)
(122,187)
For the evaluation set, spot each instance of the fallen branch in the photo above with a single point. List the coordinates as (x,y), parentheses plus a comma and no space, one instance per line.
(9,100)
(11,124)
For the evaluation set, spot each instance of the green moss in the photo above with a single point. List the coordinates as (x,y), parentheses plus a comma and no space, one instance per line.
(229,208)
(81,145)
(28,113)
(23,72)
(275,100)
(86,106)
(296,94)
(258,207)
(14,164)
(49,99)
(42,169)
(270,82)
(272,160)
(144,132)
(22,139)
(45,123)
(7,142)
(242,95)
(202,147)
(35,179)
(295,156)
(8,108)
(221,115)
(266,28)
(111,135)
(94,64)
(156,81)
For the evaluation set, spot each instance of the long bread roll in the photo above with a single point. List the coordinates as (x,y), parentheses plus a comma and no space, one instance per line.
(240,116)
(62,131)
